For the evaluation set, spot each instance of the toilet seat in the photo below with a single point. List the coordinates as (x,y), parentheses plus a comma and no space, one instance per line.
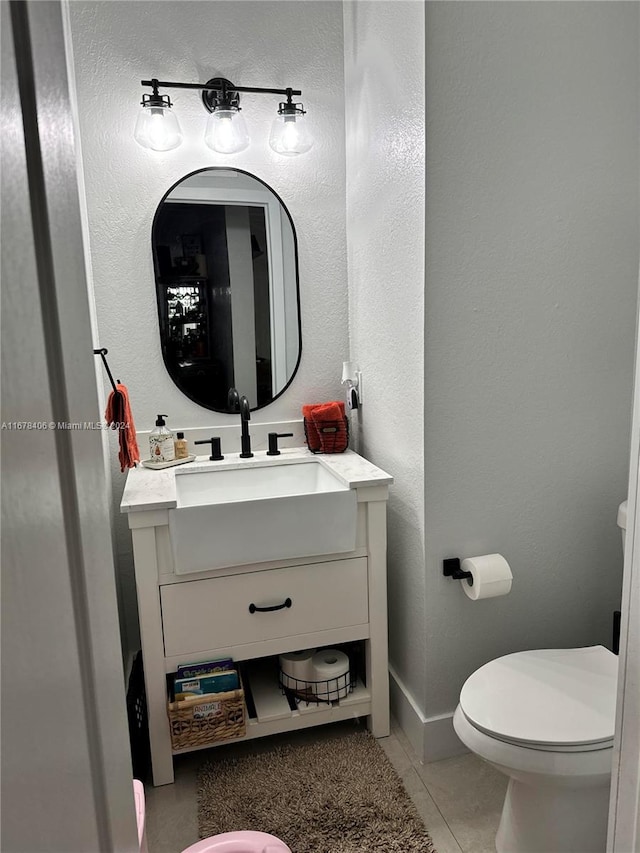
(554,700)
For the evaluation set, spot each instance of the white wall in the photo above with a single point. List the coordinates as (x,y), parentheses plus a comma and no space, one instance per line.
(384,83)
(522,423)
(66,765)
(531,282)
(498,375)
(263,43)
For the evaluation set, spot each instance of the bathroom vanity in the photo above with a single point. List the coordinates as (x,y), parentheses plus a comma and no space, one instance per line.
(217,557)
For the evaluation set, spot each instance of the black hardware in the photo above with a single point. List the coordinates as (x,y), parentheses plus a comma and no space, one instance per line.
(216,452)
(218,93)
(155,99)
(451,569)
(617,618)
(102,352)
(217,83)
(254,609)
(241,404)
(273,442)
(290,109)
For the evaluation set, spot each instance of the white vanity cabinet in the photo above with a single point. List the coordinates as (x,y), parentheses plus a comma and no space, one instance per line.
(335,598)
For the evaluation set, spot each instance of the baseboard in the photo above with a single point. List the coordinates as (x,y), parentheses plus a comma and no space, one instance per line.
(406,711)
(440,739)
(432,738)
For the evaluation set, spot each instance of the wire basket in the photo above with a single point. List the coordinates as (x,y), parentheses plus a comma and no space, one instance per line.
(327,436)
(317,692)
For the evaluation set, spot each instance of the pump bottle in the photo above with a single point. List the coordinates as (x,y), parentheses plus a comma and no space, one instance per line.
(161,446)
(181,447)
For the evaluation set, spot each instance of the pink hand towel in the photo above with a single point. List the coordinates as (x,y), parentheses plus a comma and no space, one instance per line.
(118,414)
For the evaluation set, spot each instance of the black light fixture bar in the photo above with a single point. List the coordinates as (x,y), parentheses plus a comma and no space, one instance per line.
(207,86)
(157,127)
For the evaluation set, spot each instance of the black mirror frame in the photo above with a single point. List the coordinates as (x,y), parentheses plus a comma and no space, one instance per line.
(297,271)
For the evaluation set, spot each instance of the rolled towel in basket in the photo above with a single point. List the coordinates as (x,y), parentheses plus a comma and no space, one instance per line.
(330,424)
(313,437)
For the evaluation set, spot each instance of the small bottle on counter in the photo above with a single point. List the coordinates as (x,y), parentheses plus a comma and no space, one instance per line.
(161,445)
(181,447)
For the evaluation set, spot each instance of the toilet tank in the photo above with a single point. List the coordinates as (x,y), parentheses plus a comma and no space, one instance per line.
(622,521)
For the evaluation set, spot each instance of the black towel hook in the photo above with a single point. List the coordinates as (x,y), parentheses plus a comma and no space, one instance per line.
(102,352)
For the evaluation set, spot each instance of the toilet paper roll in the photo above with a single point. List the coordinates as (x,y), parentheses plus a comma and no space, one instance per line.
(490,576)
(296,667)
(330,669)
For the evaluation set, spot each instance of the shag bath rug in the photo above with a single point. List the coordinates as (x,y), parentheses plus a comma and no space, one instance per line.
(339,795)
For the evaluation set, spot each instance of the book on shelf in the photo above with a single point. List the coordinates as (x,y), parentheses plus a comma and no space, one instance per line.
(217,682)
(197,670)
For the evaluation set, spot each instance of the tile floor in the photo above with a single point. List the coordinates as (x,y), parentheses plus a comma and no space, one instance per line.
(460,798)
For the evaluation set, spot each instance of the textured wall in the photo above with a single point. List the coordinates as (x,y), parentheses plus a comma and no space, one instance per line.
(531,280)
(263,43)
(506,422)
(384,77)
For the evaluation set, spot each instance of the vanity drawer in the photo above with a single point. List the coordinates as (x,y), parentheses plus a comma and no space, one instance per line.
(215,613)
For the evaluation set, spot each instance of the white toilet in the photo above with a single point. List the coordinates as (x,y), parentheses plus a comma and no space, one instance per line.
(546,719)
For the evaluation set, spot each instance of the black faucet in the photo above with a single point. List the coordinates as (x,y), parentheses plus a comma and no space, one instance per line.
(216,451)
(241,404)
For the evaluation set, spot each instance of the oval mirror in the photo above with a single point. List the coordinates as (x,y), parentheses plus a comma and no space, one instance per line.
(226,267)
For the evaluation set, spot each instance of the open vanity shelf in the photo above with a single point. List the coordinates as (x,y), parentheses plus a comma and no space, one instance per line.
(269,710)
(337,599)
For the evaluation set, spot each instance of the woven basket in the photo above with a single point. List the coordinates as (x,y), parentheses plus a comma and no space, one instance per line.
(201,720)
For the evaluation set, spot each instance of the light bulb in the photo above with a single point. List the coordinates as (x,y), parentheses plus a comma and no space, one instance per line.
(290,135)
(226,131)
(157,128)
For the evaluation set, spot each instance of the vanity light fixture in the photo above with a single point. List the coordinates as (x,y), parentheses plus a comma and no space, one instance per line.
(157,127)
(226,132)
(289,134)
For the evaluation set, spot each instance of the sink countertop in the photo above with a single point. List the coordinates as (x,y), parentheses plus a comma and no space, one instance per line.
(147,489)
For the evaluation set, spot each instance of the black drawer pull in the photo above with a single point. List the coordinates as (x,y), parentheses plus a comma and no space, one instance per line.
(254,609)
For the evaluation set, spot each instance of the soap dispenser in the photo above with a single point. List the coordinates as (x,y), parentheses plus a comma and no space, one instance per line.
(161,446)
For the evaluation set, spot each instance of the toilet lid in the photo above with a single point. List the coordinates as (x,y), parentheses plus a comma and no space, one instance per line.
(551,697)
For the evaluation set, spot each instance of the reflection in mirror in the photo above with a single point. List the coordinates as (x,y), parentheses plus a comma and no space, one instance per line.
(226,268)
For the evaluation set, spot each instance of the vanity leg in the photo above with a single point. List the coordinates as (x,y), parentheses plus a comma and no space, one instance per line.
(144,551)
(376,647)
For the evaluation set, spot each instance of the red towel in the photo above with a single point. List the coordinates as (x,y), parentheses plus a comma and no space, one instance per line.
(313,438)
(330,424)
(118,415)
(333,411)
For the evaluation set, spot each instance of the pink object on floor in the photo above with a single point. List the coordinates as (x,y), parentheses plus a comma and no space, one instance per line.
(239,842)
(138,794)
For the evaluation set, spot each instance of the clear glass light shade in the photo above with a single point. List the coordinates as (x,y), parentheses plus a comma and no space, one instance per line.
(290,135)
(226,132)
(157,128)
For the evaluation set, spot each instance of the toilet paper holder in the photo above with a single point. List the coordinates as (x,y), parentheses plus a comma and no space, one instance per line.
(451,569)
